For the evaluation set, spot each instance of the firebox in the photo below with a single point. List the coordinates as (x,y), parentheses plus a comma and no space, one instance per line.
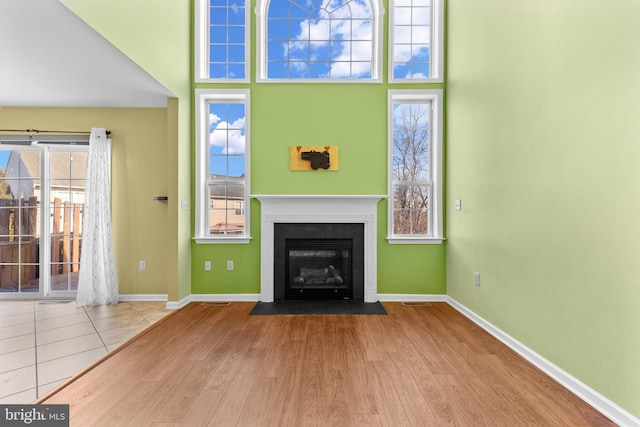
(318,261)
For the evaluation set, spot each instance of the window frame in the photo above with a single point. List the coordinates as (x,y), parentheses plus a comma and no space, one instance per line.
(202,41)
(435,96)
(261,11)
(203,98)
(46,145)
(436,57)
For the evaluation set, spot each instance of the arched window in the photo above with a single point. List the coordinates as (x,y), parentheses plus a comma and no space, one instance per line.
(337,40)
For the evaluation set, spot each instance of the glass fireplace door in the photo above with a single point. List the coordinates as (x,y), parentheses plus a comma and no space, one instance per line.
(319,269)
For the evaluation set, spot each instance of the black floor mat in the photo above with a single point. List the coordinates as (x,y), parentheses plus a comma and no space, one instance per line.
(318,307)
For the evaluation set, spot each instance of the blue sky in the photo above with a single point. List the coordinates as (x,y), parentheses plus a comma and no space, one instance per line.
(320,39)
(411,38)
(227,37)
(227,139)
(4,158)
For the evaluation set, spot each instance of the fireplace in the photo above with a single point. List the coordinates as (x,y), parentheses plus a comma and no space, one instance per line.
(319,261)
(318,209)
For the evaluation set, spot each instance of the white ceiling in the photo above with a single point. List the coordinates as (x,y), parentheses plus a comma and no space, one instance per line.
(51,58)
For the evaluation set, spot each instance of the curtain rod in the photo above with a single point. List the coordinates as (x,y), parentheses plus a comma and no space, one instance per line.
(49,131)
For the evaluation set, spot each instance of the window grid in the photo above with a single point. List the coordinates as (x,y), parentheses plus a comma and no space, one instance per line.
(412,39)
(221,165)
(411,168)
(415,166)
(411,210)
(416,41)
(318,43)
(225,189)
(221,44)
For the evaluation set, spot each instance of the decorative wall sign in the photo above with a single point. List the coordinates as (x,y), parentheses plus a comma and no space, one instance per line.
(306,157)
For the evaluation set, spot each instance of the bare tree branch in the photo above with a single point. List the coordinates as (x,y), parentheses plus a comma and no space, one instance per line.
(411,164)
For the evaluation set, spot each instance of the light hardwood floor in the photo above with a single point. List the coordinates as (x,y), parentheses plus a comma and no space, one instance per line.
(211,365)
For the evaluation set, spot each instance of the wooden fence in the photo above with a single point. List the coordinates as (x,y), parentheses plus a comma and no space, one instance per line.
(66,237)
(20,241)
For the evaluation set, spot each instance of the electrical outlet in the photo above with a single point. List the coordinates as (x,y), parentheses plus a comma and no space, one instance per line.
(229,265)
(143,265)
(207,266)
(477,279)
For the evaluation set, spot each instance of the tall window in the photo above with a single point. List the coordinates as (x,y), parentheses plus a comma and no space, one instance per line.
(222,158)
(335,40)
(415,166)
(415,40)
(221,40)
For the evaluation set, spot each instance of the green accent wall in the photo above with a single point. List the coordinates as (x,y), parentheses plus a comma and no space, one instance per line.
(352,117)
(543,145)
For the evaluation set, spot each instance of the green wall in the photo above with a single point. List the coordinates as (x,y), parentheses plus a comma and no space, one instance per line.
(350,116)
(543,148)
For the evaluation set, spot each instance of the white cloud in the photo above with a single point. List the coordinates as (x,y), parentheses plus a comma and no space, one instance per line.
(315,29)
(404,52)
(348,22)
(402,15)
(213,119)
(416,76)
(230,137)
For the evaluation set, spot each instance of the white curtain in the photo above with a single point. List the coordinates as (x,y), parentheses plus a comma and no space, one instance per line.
(98,281)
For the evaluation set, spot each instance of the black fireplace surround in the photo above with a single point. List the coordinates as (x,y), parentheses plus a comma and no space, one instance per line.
(318,261)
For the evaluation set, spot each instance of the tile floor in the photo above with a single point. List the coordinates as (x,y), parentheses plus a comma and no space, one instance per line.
(45,342)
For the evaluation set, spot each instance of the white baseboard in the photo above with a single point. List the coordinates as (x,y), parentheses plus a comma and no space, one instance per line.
(174,305)
(226,297)
(143,297)
(213,298)
(412,298)
(583,391)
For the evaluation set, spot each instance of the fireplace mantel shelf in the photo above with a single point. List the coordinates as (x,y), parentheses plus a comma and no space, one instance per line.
(318,208)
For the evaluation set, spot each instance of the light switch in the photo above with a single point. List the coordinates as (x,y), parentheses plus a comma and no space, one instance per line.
(458,205)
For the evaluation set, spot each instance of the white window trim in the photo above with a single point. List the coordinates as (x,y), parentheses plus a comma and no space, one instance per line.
(261,10)
(435,96)
(202,154)
(201,45)
(437,45)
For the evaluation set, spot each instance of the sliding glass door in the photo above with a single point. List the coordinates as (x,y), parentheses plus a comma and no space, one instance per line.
(41,206)
(66,183)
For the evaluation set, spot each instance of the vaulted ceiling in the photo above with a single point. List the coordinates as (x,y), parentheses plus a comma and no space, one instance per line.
(51,58)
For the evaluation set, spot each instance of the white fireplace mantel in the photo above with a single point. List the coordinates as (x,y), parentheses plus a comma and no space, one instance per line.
(291,208)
